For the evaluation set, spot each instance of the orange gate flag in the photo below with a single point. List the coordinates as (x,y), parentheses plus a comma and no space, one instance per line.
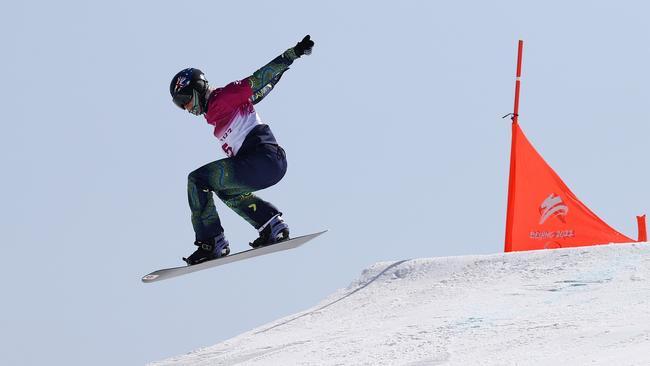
(543,213)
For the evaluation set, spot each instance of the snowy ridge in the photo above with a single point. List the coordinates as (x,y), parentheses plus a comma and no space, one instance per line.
(577,306)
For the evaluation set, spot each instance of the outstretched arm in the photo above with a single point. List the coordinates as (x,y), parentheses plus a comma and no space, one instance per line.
(263,80)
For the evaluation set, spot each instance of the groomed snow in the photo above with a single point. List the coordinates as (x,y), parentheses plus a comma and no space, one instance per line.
(578,306)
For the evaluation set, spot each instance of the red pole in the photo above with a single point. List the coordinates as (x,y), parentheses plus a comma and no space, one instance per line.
(511,181)
(643,234)
(517,83)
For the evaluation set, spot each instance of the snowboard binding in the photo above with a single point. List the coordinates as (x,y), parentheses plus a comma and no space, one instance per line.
(274,231)
(214,248)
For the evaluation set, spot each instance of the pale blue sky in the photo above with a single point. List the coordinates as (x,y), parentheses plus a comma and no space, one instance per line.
(392,129)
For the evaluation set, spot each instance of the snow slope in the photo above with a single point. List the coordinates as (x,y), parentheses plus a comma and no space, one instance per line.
(579,306)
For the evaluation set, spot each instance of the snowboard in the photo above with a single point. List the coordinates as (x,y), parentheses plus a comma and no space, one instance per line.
(167,273)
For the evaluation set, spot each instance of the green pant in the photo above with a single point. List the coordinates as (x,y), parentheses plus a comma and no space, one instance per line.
(233,180)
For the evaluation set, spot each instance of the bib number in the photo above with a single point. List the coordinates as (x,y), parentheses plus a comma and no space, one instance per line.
(228,150)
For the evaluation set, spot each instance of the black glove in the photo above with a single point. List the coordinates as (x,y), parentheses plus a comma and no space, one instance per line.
(304,47)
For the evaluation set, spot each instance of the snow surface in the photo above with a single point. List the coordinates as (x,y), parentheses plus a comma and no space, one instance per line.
(578,306)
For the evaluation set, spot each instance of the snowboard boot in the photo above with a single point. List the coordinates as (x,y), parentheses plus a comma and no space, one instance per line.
(214,248)
(274,231)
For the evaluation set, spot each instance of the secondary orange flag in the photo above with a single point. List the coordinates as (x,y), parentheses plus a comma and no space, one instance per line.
(543,213)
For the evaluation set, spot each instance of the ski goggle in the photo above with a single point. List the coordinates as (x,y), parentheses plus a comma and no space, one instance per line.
(181,101)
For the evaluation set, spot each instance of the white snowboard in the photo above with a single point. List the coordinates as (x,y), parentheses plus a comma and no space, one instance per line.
(166,273)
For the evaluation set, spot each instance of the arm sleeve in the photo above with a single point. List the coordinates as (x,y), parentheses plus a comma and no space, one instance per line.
(263,80)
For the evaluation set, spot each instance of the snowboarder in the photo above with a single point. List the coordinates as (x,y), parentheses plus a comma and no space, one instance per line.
(254,159)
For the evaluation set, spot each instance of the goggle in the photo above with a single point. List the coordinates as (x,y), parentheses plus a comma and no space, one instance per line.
(181,101)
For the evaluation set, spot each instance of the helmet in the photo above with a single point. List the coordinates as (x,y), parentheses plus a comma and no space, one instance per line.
(190,83)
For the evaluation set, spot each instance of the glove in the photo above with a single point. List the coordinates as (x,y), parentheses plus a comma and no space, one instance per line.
(304,47)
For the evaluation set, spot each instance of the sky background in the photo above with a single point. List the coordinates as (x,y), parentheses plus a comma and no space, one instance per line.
(392,128)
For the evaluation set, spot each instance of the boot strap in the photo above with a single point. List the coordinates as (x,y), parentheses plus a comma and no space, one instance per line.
(205,246)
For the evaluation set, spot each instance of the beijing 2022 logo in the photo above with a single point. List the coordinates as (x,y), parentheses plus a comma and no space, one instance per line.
(553,206)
